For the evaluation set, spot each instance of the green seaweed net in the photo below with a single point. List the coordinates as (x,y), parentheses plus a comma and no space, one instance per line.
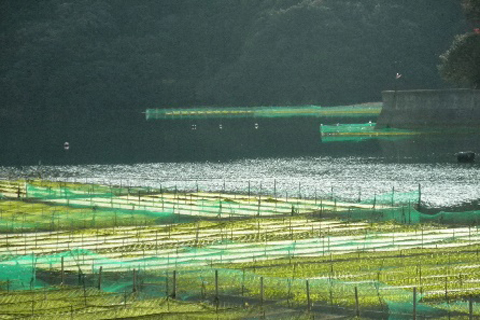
(43,205)
(362,110)
(256,249)
(362,131)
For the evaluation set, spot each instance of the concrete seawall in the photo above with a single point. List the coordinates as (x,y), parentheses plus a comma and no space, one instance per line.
(430,108)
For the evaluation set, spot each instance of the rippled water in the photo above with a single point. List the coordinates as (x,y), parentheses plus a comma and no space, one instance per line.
(442,184)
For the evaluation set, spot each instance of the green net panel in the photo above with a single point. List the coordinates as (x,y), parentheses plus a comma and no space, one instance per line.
(205,283)
(362,110)
(462,218)
(358,132)
(43,189)
(72,207)
(120,240)
(394,198)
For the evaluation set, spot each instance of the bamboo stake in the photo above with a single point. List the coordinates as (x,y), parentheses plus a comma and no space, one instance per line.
(470,308)
(84,291)
(275,188)
(357,307)
(62,271)
(167,293)
(100,278)
(419,195)
(174,293)
(446,289)
(134,286)
(217,300)
(261,291)
(309,304)
(414,303)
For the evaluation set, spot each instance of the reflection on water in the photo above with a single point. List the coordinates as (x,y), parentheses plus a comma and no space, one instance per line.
(353,178)
(283,157)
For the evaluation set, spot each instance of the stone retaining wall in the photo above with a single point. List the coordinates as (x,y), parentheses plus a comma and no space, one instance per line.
(430,108)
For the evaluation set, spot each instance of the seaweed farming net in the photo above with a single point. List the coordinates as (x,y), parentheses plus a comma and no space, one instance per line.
(362,110)
(361,131)
(364,297)
(124,239)
(54,206)
(40,205)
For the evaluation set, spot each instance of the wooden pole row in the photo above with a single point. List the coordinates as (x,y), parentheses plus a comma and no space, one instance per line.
(173,293)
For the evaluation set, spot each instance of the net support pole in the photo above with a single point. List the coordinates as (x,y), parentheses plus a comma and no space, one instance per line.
(309,303)
(217,300)
(100,278)
(167,291)
(84,290)
(470,308)
(446,289)
(419,195)
(134,285)
(34,271)
(357,307)
(275,188)
(261,291)
(174,284)
(414,303)
(259,205)
(393,196)
(62,271)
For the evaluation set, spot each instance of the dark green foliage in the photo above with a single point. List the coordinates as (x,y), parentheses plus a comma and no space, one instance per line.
(472,11)
(461,63)
(333,52)
(64,58)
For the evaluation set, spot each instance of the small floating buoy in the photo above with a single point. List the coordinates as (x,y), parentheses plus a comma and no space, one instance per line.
(465,156)
(66,146)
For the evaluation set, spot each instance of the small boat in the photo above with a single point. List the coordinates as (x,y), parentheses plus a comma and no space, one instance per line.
(465,156)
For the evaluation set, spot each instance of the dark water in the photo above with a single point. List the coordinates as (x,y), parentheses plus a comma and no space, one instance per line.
(159,141)
(141,141)
(261,154)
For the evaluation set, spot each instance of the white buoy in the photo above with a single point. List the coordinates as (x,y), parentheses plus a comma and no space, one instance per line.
(66,146)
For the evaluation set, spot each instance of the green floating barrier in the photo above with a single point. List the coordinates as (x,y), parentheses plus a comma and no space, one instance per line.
(362,110)
(362,131)
(359,132)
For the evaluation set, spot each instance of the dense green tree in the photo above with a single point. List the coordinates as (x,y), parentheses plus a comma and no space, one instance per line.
(472,11)
(460,64)
(332,52)
(65,58)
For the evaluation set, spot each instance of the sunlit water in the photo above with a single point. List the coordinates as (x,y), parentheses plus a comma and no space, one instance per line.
(350,178)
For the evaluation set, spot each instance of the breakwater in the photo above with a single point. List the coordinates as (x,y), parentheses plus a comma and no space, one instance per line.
(430,108)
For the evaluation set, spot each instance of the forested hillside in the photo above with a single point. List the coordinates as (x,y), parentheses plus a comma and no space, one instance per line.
(95,56)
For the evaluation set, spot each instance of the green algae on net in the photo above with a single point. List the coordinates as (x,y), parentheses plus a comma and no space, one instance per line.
(363,131)
(360,110)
